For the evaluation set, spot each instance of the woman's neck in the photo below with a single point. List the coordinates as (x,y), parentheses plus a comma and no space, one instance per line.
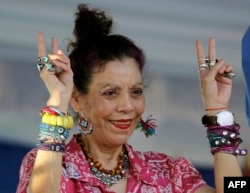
(111,169)
(107,155)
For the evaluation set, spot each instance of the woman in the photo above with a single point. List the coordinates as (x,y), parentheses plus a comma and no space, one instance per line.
(102,81)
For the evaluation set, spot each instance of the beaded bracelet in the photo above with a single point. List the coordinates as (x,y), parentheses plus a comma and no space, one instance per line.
(56,120)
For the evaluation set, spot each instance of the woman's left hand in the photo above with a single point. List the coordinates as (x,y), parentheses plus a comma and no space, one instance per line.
(215,88)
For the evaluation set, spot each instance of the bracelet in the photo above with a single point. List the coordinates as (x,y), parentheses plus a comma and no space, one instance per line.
(225,139)
(216,141)
(55,132)
(58,147)
(49,140)
(53,111)
(223,132)
(234,128)
(215,109)
(229,150)
(219,141)
(55,120)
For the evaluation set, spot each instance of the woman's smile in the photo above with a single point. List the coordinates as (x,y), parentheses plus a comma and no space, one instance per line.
(122,123)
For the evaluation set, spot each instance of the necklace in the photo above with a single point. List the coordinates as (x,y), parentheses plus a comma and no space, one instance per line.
(108,177)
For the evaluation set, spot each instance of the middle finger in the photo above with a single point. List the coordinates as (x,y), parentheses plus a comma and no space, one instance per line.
(54,45)
(212,50)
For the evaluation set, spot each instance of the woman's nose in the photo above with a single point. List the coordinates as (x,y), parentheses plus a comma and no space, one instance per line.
(125,103)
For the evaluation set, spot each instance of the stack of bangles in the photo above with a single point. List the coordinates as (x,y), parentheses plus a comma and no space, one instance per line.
(225,139)
(54,129)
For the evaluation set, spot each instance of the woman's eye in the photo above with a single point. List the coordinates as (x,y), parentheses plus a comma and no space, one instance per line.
(110,93)
(137,92)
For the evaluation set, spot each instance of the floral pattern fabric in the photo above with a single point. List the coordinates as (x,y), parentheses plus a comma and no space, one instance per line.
(150,172)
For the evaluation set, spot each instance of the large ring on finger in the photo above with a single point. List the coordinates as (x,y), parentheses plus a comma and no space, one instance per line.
(203,66)
(212,63)
(46,62)
(229,75)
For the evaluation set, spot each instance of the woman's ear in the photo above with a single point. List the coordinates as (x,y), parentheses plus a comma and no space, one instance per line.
(74,100)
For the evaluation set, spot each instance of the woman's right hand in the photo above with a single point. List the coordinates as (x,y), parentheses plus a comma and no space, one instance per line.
(60,82)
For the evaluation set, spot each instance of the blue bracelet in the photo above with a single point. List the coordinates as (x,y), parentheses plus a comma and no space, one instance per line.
(55,132)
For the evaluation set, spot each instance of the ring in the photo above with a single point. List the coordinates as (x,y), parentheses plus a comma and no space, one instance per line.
(229,75)
(211,62)
(203,66)
(206,60)
(45,62)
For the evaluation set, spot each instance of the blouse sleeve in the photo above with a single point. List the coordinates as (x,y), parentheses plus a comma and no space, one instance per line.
(189,176)
(26,170)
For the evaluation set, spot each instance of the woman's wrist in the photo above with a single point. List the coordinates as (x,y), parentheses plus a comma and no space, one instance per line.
(215,110)
(58,103)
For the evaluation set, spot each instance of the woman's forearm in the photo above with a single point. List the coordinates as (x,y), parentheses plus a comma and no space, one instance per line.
(46,174)
(225,165)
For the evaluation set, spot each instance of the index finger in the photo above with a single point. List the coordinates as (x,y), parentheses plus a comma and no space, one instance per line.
(41,45)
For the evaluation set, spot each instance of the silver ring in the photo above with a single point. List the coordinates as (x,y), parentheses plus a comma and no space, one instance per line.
(229,75)
(45,62)
(206,60)
(203,66)
(211,63)
(201,69)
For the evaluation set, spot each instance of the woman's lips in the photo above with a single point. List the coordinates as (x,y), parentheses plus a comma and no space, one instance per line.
(122,124)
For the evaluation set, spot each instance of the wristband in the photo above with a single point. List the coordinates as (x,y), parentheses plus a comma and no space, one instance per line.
(51,147)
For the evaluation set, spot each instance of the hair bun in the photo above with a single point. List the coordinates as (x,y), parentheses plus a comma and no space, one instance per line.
(91,24)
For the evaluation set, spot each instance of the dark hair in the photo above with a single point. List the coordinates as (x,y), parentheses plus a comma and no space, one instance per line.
(95,45)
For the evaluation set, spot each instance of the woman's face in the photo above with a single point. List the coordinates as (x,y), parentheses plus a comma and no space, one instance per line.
(115,102)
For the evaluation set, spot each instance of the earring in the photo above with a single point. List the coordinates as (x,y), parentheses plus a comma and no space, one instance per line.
(147,127)
(84,127)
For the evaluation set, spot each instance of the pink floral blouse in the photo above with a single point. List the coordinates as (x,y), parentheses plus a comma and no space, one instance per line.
(150,172)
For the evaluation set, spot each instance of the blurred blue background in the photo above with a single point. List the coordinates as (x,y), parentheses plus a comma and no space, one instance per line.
(165,29)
